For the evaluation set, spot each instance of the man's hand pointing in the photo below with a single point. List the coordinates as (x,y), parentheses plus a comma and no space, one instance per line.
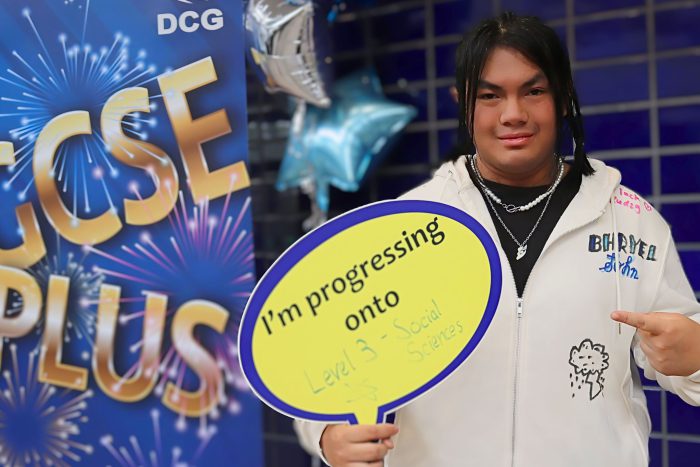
(671,341)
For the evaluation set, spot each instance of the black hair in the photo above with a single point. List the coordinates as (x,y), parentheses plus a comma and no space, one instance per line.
(537,42)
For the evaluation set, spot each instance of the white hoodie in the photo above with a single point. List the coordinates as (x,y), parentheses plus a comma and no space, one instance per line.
(552,382)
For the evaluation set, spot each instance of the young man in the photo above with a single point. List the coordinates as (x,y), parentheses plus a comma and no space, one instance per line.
(552,383)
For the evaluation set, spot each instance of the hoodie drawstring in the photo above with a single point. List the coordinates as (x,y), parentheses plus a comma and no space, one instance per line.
(616,253)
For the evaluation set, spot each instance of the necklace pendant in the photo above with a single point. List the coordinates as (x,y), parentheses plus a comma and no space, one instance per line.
(522,249)
(511,208)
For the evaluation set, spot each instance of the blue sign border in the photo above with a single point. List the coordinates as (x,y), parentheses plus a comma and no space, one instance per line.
(315,238)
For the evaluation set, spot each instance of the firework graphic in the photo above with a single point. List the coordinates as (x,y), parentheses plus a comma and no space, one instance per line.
(39,423)
(133,454)
(78,76)
(73,2)
(83,293)
(202,255)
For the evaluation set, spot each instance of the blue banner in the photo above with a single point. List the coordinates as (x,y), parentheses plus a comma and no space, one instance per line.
(126,246)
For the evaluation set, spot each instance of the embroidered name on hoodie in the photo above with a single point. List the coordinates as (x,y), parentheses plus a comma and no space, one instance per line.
(626,268)
(625,244)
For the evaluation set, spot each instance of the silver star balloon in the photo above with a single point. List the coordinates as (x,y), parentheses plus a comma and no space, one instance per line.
(286,41)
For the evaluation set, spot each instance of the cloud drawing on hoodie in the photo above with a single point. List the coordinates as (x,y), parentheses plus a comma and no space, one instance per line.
(589,361)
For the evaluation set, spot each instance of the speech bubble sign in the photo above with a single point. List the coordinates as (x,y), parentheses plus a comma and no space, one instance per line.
(369,311)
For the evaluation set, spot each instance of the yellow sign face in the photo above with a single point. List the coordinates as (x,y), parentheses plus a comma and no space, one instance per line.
(369,311)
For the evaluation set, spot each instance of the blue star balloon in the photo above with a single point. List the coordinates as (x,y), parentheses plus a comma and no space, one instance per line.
(337,146)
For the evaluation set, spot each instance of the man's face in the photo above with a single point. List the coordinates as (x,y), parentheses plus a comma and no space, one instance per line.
(515,124)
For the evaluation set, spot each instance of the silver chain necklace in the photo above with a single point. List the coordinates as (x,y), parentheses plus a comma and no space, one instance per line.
(512,208)
(522,247)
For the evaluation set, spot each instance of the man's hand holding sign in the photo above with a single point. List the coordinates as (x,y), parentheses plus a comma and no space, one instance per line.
(359,317)
(671,341)
(345,445)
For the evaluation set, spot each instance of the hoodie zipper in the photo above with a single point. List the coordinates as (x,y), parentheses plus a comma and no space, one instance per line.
(519,315)
(519,311)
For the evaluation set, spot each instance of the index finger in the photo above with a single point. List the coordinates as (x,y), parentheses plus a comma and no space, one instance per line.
(641,321)
(364,433)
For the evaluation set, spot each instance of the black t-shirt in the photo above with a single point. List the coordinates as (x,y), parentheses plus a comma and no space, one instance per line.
(521,223)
